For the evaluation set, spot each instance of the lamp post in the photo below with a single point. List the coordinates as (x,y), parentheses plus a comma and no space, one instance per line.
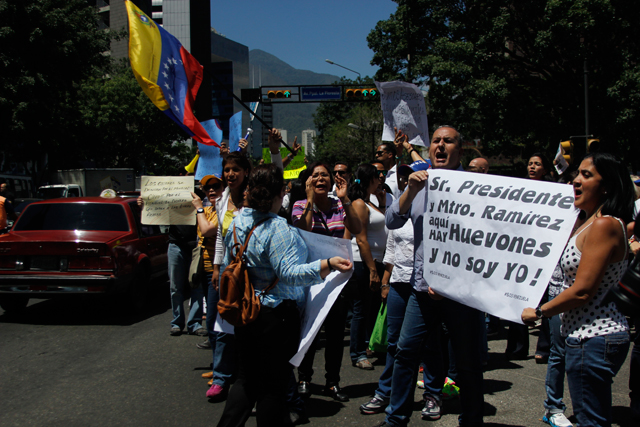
(373,136)
(353,71)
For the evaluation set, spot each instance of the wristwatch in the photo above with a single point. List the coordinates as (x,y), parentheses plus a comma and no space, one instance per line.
(539,312)
(199,211)
(345,204)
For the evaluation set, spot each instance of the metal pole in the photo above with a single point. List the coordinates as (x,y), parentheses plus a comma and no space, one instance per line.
(586,101)
(353,71)
(265,124)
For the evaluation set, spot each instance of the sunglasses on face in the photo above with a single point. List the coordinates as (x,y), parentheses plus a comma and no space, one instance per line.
(214,187)
(383,172)
(341,173)
(380,153)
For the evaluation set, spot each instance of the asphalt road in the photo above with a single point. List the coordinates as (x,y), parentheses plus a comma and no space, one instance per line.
(83,362)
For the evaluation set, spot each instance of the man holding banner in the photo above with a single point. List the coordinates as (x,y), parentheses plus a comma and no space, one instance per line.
(426,310)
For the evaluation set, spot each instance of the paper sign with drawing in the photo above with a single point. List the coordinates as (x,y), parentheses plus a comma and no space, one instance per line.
(167,200)
(403,107)
(493,242)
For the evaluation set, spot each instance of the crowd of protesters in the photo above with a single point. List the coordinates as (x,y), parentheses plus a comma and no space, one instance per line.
(378,206)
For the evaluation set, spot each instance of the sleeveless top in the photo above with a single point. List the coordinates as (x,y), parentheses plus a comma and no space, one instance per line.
(592,319)
(376,236)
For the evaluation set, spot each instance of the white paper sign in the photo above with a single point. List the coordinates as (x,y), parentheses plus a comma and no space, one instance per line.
(321,297)
(493,242)
(167,200)
(403,107)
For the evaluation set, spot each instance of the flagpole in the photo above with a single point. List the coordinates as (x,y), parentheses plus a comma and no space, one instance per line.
(265,124)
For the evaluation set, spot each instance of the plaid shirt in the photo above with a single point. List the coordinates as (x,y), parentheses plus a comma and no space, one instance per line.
(275,249)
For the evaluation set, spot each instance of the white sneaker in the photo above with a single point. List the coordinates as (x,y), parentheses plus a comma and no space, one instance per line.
(556,420)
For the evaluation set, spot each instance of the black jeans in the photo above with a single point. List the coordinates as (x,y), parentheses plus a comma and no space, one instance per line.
(334,345)
(265,347)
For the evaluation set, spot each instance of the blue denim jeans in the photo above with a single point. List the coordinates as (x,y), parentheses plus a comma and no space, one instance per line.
(396,305)
(179,259)
(554,383)
(591,364)
(634,366)
(222,344)
(423,318)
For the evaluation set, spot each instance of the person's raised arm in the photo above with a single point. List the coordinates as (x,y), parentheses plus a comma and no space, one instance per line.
(274,148)
(296,147)
(415,183)
(207,228)
(352,220)
(306,219)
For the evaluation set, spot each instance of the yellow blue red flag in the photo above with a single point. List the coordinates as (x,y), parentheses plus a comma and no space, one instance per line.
(167,73)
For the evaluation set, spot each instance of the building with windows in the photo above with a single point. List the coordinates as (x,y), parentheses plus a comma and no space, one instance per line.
(225,62)
(308,136)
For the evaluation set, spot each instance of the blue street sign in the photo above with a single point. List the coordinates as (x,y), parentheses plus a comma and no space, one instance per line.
(327,93)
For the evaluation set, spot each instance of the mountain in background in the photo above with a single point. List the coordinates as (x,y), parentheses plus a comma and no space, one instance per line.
(268,70)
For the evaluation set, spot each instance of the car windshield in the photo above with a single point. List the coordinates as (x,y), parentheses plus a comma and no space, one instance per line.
(51,192)
(73,216)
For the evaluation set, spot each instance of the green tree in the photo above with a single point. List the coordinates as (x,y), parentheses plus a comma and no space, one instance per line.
(512,73)
(48,48)
(120,127)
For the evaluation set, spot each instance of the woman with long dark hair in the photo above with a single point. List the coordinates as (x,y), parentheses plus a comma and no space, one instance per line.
(235,173)
(266,345)
(597,333)
(368,251)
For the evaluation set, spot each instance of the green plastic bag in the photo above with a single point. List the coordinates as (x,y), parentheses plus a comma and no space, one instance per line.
(378,341)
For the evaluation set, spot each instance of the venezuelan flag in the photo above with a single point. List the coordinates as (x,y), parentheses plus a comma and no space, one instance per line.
(167,73)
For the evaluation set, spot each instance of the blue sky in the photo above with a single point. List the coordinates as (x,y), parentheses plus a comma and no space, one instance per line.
(305,33)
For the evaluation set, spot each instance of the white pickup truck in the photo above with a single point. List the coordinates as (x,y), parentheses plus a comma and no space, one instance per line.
(59,190)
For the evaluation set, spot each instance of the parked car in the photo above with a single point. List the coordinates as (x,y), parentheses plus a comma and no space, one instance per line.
(85,245)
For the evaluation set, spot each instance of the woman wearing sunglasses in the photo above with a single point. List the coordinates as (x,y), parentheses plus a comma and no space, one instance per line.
(220,344)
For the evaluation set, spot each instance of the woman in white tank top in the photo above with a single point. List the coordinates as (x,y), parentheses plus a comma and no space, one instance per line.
(597,334)
(368,252)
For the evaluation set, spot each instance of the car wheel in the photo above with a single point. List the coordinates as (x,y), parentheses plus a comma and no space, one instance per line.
(138,292)
(13,303)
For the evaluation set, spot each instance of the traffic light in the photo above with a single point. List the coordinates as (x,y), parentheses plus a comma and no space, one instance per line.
(279,94)
(369,93)
(593,145)
(357,93)
(567,150)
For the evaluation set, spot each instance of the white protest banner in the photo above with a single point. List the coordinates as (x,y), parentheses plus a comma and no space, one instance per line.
(403,107)
(492,242)
(321,297)
(167,200)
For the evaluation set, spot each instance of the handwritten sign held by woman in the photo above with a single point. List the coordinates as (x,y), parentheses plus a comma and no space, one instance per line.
(167,200)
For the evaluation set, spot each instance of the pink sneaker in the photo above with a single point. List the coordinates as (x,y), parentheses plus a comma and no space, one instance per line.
(216,392)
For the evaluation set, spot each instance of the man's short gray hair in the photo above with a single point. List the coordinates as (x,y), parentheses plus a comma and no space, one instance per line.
(460,138)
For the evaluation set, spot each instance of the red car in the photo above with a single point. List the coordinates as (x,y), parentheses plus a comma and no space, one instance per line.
(87,245)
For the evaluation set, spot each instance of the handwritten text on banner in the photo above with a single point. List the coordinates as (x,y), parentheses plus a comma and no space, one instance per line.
(167,200)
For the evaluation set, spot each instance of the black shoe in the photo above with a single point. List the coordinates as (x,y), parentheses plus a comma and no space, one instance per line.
(334,392)
(304,389)
(204,345)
